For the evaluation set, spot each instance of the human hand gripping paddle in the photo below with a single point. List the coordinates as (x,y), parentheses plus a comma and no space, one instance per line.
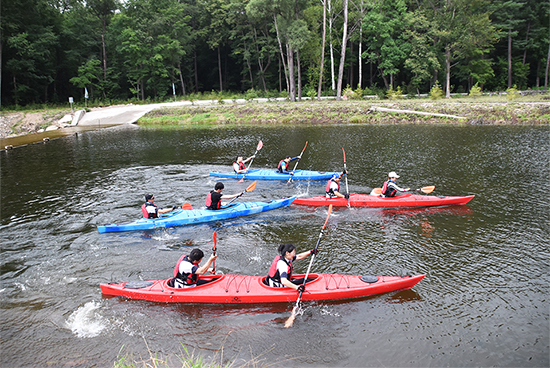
(215,238)
(290,320)
(346,171)
(258,147)
(299,158)
(250,188)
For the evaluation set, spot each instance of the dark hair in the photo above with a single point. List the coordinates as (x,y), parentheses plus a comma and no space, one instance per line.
(284,248)
(148,197)
(236,158)
(287,157)
(196,255)
(219,185)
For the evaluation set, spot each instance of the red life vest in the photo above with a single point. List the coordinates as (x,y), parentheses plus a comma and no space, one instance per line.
(186,278)
(388,192)
(329,191)
(209,200)
(146,214)
(242,166)
(274,272)
(280,166)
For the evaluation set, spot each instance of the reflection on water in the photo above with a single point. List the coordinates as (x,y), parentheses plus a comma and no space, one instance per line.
(483,302)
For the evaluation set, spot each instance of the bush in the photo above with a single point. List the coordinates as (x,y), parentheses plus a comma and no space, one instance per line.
(512,93)
(349,94)
(394,94)
(436,92)
(250,94)
(475,91)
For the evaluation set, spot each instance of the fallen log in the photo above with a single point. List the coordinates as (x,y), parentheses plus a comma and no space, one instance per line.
(384,109)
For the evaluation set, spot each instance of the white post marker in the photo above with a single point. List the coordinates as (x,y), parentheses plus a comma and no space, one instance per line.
(71,102)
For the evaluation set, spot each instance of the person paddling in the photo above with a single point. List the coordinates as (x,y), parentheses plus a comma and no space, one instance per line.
(187,270)
(285,163)
(333,187)
(214,198)
(239,165)
(150,209)
(390,187)
(280,272)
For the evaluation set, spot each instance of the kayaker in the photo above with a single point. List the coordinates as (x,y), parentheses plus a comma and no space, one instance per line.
(390,188)
(150,210)
(187,269)
(239,165)
(214,198)
(333,187)
(284,164)
(280,272)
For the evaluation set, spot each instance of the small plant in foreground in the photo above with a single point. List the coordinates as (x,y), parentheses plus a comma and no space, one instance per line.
(436,92)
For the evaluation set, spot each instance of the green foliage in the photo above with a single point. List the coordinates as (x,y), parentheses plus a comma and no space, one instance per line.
(475,91)
(350,94)
(250,94)
(396,94)
(512,93)
(436,92)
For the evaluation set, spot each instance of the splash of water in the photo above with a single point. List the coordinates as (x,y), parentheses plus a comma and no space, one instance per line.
(86,321)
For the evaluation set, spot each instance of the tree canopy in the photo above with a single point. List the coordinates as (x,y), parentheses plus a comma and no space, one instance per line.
(142,49)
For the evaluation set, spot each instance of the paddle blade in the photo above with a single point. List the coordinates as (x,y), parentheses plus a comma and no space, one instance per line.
(252,186)
(242,180)
(328,216)
(303,149)
(187,206)
(290,321)
(344,154)
(215,238)
(377,191)
(427,189)
(260,145)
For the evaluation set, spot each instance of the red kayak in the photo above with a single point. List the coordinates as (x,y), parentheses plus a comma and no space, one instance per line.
(235,289)
(367,200)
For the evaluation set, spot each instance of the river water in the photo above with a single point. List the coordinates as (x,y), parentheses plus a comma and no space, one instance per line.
(484,301)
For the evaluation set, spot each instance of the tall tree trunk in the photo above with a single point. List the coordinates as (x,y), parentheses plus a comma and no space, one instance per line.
(509,58)
(351,74)
(260,66)
(181,78)
(526,40)
(343,54)
(547,67)
(220,68)
(292,81)
(359,60)
(196,71)
(282,53)
(324,2)
(448,72)
(104,21)
(332,75)
(299,75)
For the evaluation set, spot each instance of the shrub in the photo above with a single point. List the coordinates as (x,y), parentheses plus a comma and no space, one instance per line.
(475,91)
(394,94)
(512,93)
(436,92)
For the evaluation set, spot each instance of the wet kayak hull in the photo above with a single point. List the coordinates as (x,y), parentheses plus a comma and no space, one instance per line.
(269,174)
(366,200)
(237,289)
(191,217)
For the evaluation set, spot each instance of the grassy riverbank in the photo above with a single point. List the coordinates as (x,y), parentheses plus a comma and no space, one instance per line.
(356,112)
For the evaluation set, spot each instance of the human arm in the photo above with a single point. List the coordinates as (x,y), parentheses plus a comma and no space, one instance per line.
(304,254)
(286,282)
(203,269)
(250,158)
(398,188)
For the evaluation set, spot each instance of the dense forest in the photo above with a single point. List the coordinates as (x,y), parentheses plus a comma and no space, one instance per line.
(149,49)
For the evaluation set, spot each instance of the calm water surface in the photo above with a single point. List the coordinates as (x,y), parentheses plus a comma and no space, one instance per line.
(484,301)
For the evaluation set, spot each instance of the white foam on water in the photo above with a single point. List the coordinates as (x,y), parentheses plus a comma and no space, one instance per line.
(86,321)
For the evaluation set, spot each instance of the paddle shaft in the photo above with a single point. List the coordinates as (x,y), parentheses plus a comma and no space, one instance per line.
(346,170)
(258,148)
(215,238)
(299,158)
(250,188)
(313,255)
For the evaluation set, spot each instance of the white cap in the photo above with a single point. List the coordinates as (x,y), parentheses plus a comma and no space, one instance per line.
(393,174)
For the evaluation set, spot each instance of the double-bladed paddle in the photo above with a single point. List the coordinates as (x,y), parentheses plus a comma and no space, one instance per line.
(258,147)
(215,238)
(346,171)
(427,190)
(290,319)
(295,166)
(250,188)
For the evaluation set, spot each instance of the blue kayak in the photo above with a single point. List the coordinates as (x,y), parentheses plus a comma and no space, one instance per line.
(270,174)
(190,217)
